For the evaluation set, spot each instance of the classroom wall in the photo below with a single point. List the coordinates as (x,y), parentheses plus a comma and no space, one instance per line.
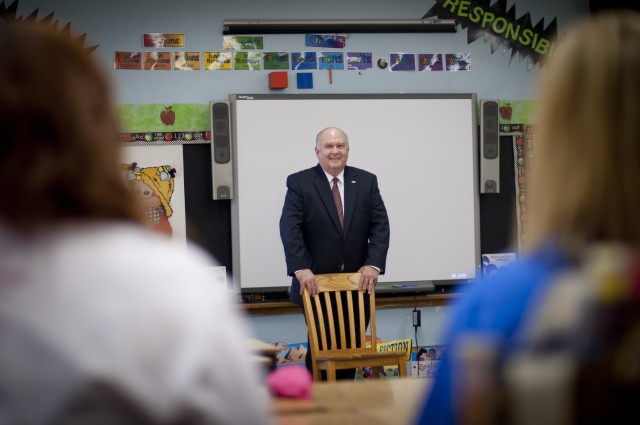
(119,25)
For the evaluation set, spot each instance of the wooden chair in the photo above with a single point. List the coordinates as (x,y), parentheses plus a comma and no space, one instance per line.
(331,350)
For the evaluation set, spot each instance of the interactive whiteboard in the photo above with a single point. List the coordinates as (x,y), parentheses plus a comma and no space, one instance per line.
(422,147)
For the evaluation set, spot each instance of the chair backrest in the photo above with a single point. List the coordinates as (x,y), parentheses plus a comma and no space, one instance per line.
(336,317)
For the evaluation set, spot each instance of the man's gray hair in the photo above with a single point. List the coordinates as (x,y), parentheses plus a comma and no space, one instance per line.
(346,138)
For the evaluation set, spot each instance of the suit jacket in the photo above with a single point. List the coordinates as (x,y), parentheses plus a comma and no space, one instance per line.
(310,228)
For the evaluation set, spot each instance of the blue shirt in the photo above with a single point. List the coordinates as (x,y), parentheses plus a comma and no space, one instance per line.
(493,307)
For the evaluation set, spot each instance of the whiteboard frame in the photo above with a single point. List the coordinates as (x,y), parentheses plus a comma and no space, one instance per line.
(274,135)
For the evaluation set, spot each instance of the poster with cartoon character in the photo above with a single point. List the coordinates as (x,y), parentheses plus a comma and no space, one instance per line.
(155,174)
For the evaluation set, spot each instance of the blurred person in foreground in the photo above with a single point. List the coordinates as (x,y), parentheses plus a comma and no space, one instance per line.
(101,320)
(554,338)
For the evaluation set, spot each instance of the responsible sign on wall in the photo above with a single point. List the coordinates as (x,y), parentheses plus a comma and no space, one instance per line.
(499,27)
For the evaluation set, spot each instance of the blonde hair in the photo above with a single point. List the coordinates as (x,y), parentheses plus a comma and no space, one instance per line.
(585,183)
(59,149)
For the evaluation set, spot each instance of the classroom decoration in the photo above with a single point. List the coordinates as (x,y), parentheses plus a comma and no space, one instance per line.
(162,124)
(278,80)
(332,41)
(331,60)
(230,42)
(303,60)
(157,61)
(156,39)
(275,60)
(458,61)
(425,361)
(523,152)
(402,62)
(186,61)
(430,62)
(156,175)
(305,80)
(127,60)
(359,61)
(492,262)
(247,61)
(291,354)
(218,61)
(495,24)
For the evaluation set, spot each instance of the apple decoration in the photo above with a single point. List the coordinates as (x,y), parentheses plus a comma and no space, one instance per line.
(168,136)
(207,135)
(188,136)
(168,116)
(506,111)
(148,137)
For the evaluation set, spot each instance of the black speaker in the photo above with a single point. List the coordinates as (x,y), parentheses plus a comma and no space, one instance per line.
(221,151)
(489,147)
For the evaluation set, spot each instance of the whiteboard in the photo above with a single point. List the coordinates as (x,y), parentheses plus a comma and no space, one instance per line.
(422,147)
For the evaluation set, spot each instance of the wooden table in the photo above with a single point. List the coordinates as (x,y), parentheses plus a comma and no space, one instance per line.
(369,402)
(287,307)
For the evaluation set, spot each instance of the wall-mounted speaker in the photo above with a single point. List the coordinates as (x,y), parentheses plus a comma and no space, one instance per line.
(489,147)
(221,151)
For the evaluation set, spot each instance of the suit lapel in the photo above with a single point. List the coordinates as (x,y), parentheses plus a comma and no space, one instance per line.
(350,195)
(323,188)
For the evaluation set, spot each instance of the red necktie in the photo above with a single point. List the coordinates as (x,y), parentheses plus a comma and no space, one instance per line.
(338,201)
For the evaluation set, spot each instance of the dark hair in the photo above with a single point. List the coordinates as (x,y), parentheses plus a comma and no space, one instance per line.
(60,151)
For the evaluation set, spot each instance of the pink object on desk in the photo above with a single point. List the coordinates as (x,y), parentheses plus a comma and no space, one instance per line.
(290,382)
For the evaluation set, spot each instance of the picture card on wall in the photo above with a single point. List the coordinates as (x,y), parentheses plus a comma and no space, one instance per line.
(325,40)
(331,60)
(303,60)
(402,62)
(157,39)
(218,61)
(247,61)
(458,61)
(186,61)
(276,60)
(231,42)
(157,61)
(430,62)
(127,60)
(359,61)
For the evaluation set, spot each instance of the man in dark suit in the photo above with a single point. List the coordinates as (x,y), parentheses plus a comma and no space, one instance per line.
(315,238)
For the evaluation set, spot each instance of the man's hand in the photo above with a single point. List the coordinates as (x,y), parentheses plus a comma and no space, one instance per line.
(307,280)
(368,278)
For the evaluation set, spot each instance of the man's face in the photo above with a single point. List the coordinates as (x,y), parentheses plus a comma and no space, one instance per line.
(332,151)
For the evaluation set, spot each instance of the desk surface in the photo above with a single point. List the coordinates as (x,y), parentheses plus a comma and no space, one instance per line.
(371,402)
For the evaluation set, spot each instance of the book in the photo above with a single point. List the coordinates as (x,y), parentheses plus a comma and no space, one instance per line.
(491,263)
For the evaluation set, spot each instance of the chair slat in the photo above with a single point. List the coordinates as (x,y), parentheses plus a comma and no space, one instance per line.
(361,321)
(320,316)
(351,322)
(372,319)
(340,310)
(332,327)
